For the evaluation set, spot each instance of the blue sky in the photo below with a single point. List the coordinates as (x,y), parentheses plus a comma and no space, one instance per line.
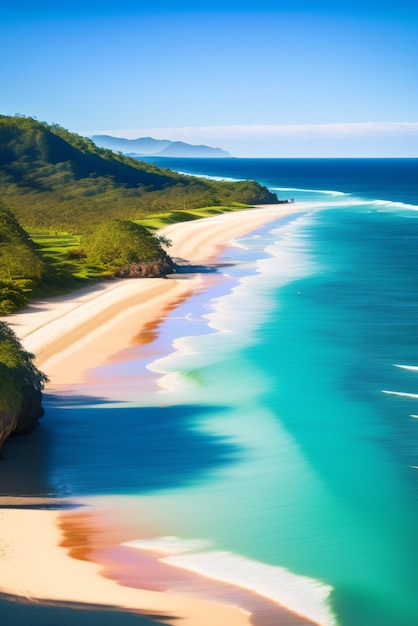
(283,78)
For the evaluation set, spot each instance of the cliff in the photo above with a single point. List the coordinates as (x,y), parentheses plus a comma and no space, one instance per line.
(20,387)
(156,268)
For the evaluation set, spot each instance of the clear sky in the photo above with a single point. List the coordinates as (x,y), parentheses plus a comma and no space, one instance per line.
(260,78)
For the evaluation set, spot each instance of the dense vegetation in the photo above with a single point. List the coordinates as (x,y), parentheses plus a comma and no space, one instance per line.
(20,387)
(21,264)
(45,265)
(60,263)
(82,204)
(54,180)
(124,248)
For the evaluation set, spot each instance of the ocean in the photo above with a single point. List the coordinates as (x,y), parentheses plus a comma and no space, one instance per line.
(279,451)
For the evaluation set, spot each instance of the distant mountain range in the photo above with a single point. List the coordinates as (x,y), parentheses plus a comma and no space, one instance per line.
(147,146)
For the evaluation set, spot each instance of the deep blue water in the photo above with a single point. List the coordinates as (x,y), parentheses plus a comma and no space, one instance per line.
(374,179)
(287,432)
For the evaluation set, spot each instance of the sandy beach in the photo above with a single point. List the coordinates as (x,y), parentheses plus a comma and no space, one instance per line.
(70,335)
(58,330)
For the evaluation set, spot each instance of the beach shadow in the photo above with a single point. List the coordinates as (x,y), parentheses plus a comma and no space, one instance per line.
(18,611)
(90,446)
(187,267)
(23,465)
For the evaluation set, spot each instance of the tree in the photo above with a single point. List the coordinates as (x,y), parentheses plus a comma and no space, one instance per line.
(116,244)
(164,241)
(20,262)
(20,387)
(11,298)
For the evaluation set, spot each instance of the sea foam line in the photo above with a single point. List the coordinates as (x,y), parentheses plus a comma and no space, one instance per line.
(300,594)
(357,200)
(397,205)
(400,393)
(238,314)
(328,192)
(213,177)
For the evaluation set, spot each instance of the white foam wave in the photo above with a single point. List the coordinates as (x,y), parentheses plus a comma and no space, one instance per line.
(208,177)
(239,314)
(392,204)
(354,200)
(400,393)
(328,192)
(413,368)
(190,318)
(168,544)
(303,595)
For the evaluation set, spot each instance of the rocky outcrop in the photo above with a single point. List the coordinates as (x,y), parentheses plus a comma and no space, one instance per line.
(156,268)
(31,411)
(8,421)
(20,406)
(21,386)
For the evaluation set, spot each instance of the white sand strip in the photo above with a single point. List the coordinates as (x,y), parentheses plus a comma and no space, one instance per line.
(200,240)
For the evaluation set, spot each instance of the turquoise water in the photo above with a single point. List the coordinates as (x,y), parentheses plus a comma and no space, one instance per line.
(283,433)
(323,485)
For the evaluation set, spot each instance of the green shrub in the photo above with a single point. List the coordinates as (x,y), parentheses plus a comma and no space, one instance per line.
(12,298)
(118,243)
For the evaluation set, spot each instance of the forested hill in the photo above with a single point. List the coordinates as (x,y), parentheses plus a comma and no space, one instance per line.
(53,179)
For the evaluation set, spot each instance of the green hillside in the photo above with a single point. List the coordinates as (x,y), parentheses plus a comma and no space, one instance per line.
(54,180)
(69,213)
(21,263)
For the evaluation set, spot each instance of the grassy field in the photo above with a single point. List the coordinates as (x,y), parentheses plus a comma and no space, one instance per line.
(158,221)
(63,253)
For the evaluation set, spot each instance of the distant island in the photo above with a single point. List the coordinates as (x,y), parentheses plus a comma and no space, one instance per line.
(147,146)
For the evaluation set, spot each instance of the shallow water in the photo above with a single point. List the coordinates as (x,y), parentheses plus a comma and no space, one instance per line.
(271,437)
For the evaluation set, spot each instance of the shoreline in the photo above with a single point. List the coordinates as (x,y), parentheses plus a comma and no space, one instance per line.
(59,329)
(70,336)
